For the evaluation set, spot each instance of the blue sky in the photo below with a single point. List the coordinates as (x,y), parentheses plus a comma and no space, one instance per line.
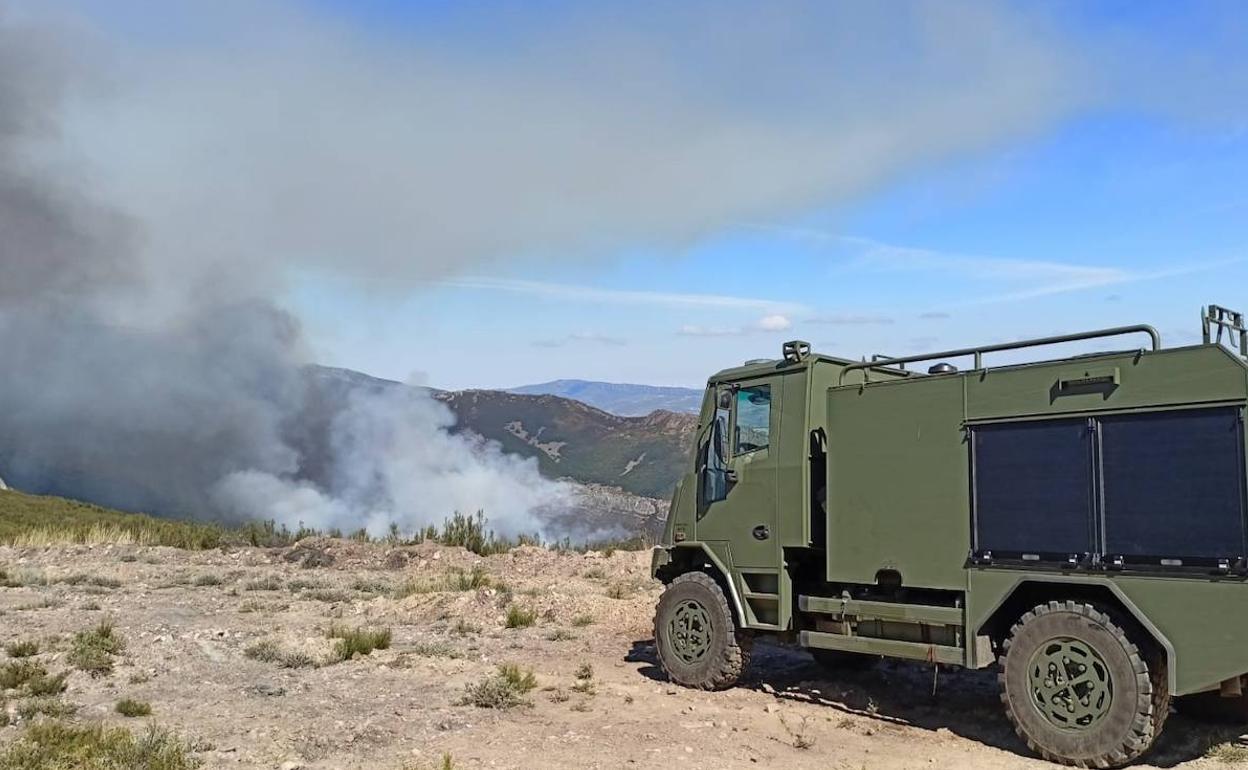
(647,193)
(1156,214)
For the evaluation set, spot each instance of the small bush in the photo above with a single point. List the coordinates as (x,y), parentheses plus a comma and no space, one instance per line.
(128,707)
(560,635)
(89,580)
(47,685)
(361,641)
(435,650)
(268,651)
(503,689)
(302,584)
(469,581)
(17,673)
(266,583)
(520,617)
(328,595)
(580,621)
(464,628)
(45,706)
(595,573)
(93,650)
(618,591)
(25,649)
(585,680)
(366,586)
(206,580)
(94,747)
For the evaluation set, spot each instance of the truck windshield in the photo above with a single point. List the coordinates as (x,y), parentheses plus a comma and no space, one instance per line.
(753,419)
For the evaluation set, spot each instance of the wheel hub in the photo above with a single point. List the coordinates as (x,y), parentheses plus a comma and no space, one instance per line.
(690,631)
(1070,683)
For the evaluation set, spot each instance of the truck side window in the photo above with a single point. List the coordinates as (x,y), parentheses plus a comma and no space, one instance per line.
(753,419)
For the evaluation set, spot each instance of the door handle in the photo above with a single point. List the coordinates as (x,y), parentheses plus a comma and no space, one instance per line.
(731,476)
(761,532)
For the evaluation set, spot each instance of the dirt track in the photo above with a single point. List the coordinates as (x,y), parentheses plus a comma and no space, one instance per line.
(399,708)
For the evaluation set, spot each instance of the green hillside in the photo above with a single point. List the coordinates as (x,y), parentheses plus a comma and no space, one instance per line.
(643,455)
(34,519)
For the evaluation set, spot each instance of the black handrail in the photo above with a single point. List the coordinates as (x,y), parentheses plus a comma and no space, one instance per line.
(979,352)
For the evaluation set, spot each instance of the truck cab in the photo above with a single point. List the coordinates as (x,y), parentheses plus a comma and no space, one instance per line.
(1072,521)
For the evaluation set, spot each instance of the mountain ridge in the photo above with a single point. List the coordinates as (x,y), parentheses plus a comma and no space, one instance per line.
(623,399)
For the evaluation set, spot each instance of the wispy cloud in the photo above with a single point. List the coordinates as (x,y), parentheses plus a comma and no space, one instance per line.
(585,337)
(576,293)
(768,323)
(1011,279)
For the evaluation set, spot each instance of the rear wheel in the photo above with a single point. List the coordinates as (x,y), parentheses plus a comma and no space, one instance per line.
(1078,689)
(698,641)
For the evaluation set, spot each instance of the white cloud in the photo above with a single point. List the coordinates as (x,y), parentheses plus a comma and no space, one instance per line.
(774,323)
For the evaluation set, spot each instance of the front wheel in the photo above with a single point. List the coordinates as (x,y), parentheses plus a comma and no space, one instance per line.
(1078,689)
(698,642)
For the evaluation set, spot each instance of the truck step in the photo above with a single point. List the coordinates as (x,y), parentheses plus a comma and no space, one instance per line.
(905,613)
(933,653)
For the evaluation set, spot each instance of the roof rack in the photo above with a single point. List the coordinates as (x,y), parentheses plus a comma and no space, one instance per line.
(1226,320)
(978,352)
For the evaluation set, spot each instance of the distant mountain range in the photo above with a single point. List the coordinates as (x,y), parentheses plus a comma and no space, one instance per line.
(617,398)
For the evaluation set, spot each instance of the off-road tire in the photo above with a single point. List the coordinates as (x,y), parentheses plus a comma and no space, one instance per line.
(1129,720)
(1212,707)
(726,651)
(834,661)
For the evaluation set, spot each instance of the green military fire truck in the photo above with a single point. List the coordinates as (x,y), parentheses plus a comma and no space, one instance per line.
(1077,522)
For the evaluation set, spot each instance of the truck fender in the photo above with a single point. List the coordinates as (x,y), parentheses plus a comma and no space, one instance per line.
(1058,582)
(715,563)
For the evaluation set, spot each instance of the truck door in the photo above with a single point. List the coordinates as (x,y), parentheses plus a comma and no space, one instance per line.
(738,468)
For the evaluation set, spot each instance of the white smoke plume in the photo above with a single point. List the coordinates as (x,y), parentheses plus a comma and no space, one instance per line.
(166,169)
(394,460)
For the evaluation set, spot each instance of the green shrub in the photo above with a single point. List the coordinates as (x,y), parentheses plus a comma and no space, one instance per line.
(59,746)
(268,651)
(17,673)
(47,685)
(520,617)
(93,650)
(128,707)
(580,621)
(361,641)
(45,706)
(206,580)
(25,649)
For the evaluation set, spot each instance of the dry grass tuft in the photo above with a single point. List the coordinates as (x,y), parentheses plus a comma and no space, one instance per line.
(503,689)
(357,641)
(128,707)
(520,617)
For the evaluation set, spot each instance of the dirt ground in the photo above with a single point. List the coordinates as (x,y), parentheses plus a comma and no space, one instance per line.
(188,617)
